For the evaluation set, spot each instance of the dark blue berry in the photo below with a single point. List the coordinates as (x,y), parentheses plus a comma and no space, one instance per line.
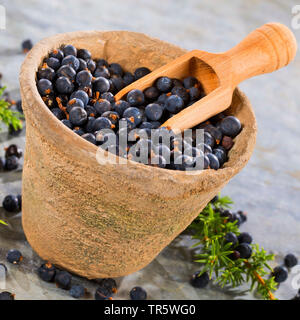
(46,72)
(102,123)
(27,45)
(103,293)
(230,126)
(231,237)
(13,150)
(59,114)
(14,256)
(78,116)
(84,78)
(82,95)
(89,127)
(174,104)
(134,115)
(102,62)
(138,293)
(53,63)
(120,106)
(164,84)
(69,50)
(102,71)
(184,162)
(135,97)
(154,111)
(84,54)
(182,93)
(190,82)
(57,54)
(221,155)
(11,163)
(290,260)
(108,283)
(280,274)
(200,281)
(77,291)
(102,106)
(118,83)
(5,295)
(213,161)
(243,216)
(91,65)
(245,250)
(245,237)
(141,72)
(11,203)
(209,140)
(82,65)
(47,272)
(79,131)
(116,69)
(63,280)
(151,93)
(66,71)
(128,78)
(108,96)
(112,116)
(195,94)
(206,149)
(45,87)
(89,137)
(74,103)
(71,61)
(64,85)
(101,85)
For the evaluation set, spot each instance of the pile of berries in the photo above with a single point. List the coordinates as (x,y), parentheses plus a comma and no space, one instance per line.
(80,91)
(11,159)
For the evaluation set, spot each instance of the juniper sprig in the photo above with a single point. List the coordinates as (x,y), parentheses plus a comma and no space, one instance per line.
(210,228)
(8,116)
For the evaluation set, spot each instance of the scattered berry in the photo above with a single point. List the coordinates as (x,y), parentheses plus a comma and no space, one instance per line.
(47,272)
(11,203)
(290,260)
(103,293)
(200,281)
(63,280)
(14,256)
(7,296)
(138,293)
(27,45)
(77,291)
(280,274)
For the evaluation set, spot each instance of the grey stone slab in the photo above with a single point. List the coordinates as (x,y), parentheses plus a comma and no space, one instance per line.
(268,188)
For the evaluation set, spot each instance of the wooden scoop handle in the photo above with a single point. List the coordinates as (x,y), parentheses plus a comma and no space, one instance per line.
(264,50)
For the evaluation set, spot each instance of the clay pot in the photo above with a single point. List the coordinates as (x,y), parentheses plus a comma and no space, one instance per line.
(109,220)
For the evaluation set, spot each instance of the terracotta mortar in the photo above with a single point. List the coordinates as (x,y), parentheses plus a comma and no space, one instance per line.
(109,220)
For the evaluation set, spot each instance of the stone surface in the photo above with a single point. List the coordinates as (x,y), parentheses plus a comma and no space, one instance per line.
(268,188)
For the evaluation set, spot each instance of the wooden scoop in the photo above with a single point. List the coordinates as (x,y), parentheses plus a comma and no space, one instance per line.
(264,50)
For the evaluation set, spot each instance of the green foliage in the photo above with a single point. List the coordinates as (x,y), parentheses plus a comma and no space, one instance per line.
(8,116)
(210,227)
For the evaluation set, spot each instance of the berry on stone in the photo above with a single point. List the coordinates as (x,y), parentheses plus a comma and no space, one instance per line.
(11,163)
(290,260)
(138,293)
(245,237)
(280,274)
(11,203)
(63,280)
(27,45)
(103,293)
(47,272)
(245,250)
(14,256)
(13,150)
(5,295)
(200,281)
(77,291)
(108,283)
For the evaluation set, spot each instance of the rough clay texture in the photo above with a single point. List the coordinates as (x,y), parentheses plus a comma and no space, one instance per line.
(109,220)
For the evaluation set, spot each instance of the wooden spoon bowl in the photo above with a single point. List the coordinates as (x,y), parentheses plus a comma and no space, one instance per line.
(109,220)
